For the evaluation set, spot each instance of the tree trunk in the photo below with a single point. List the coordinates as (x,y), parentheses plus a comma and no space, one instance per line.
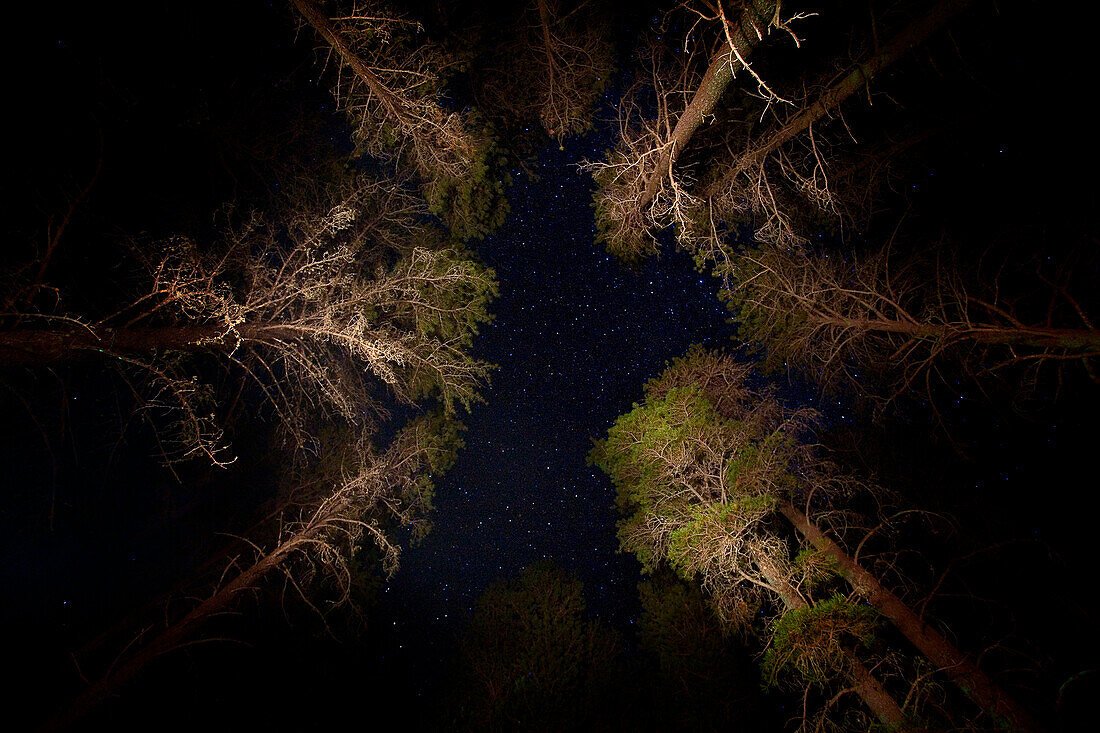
(28,347)
(175,636)
(181,633)
(913,35)
(746,34)
(324,27)
(1071,339)
(958,666)
(865,684)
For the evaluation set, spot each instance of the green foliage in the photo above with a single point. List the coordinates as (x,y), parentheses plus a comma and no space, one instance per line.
(631,455)
(439,436)
(816,567)
(812,640)
(443,292)
(685,476)
(707,526)
(474,205)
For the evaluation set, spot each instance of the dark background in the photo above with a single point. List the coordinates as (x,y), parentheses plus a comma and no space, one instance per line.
(186,106)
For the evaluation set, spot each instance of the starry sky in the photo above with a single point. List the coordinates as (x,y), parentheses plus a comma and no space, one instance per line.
(575,336)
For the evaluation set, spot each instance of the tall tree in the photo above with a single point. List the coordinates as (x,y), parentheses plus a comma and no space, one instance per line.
(706,680)
(743,182)
(639,169)
(701,468)
(380,489)
(546,70)
(390,82)
(316,309)
(677,466)
(531,659)
(833,317)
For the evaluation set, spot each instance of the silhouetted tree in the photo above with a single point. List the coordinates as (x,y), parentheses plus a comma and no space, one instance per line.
(706,678)
(532,660)
(379,489)
(833,317)
(550,68)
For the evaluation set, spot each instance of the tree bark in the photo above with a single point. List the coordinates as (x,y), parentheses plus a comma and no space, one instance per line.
(914,35)
(746,34)
(1071,339)
(865,684)
(966,675)
(327,30)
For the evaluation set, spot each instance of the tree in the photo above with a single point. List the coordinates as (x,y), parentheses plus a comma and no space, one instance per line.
(548,69)
(531,659)
(833,317)
(706,680)
(380,489)
(390,83)
(637,188)
(317,310)
(703,466)
(678,469)
(743,184)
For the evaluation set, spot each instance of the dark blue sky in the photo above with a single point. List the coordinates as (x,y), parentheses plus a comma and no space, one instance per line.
(575,336)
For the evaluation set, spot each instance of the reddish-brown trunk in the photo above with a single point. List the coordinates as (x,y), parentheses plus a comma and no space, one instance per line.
(175,636)
(182,632)
(956,665)
(913,35)
(866,685)
(746,34)
(327,30)
(1071,339)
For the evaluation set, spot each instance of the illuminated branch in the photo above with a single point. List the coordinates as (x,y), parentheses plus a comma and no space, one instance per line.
(390,84)
(380,490)
(962,670)
(638,189)
(298,311)
(740,41)
(703,466)
(826,314)
(393,98)
(913,35)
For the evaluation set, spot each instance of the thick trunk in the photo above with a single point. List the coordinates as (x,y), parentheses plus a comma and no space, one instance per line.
(182,633)
(956,665)
(745,34)
(327,30)
(914,35)
(179,634)
(34,347)
(866,685)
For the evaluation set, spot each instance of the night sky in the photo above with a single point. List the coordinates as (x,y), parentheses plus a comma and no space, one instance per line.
(575,336)
(170,98)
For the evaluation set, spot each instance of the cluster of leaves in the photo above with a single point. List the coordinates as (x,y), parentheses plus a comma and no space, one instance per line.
(811,640)
(473,204)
